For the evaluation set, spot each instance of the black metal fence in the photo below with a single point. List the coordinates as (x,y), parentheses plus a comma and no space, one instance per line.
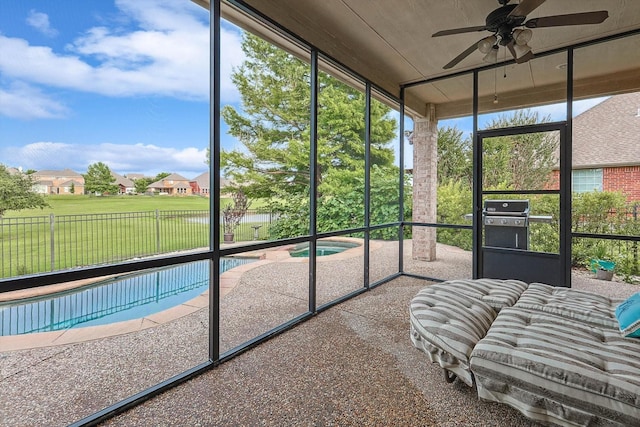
(32,245)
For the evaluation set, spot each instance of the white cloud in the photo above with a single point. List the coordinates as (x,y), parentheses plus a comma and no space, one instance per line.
(21,101)
(122,158)
(40,21)
(166,55)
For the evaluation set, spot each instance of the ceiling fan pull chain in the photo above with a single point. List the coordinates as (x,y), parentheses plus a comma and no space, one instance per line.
(505,64)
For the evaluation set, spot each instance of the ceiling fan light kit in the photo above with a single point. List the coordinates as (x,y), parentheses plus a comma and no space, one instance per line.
(505,22)
(485,45)
(522,37)
(492,56)
(521,50)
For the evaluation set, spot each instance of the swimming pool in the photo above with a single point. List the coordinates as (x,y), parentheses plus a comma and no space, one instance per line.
(115,300)
(323,247)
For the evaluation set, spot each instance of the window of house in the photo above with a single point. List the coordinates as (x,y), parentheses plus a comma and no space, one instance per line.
(585,180)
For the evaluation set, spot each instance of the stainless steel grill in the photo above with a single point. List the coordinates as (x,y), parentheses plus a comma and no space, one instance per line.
(506,223)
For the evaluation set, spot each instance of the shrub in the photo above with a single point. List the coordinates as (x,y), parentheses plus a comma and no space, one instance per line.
(454,202)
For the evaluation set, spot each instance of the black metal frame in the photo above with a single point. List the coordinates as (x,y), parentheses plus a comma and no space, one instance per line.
(564,192)
(567,236)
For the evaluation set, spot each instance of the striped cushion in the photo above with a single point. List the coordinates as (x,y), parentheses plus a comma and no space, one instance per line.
(495,292)
(596,310)
(446,325)
(558,370)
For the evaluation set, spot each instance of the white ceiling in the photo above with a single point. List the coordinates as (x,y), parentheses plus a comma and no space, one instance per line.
(389,42)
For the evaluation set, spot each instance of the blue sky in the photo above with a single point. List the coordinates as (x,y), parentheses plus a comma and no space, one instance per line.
(122,82)
(116,81)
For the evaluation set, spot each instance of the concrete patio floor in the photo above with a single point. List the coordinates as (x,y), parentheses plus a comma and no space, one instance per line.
(350,365)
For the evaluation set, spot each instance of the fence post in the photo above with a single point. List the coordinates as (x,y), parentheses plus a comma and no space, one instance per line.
(157,231)
(52,230)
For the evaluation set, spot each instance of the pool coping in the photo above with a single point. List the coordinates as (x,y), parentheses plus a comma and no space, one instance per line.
(228,281)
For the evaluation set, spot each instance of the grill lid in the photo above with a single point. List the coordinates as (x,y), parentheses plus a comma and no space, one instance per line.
(506,207)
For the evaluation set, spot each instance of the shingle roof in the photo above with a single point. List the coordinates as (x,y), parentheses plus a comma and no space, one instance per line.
(202,180)
(161,183)
(175,177)
(121,180)
(134,176)
(608,134)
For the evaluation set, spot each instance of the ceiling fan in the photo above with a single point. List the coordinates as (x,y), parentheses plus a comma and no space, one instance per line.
(505,23)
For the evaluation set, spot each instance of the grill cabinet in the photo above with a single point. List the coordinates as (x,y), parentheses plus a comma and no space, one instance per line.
(506,223)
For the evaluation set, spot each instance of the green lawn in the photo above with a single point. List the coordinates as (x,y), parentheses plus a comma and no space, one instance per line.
(88,230)
(74,205)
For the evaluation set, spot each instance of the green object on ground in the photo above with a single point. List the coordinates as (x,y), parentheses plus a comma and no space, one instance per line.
(600,264)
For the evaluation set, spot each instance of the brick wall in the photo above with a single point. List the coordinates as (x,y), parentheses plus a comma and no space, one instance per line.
(625,179)
(553,183)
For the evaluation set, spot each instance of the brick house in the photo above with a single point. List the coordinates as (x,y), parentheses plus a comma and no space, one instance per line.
(200,184)
(125,185)
(65,181)
(173,185)
(606,147)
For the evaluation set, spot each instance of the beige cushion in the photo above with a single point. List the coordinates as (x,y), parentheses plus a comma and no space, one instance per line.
(574,304)
(559,370)
(497,293)
(446,325)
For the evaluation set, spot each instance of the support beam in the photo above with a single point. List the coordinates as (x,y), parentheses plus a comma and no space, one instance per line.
(425,184)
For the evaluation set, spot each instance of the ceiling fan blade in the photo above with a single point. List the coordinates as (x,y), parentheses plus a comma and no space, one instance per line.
(526,7)
(525,58)
(570,19)
(459,31)
(463,55)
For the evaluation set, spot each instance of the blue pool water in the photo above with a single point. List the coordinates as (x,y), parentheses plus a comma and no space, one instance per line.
(328,247)
(115,300)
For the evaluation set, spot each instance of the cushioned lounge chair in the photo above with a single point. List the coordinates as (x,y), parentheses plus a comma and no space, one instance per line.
(555,354)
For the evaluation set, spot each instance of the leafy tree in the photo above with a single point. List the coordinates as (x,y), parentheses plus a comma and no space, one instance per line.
(454,202)
(141,184)
(273,126)
(16,192)
(160,176)
(98,179)
(455,162)
(345,208)
(519,162)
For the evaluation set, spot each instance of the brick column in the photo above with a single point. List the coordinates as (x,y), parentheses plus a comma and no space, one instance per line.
(425,184)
